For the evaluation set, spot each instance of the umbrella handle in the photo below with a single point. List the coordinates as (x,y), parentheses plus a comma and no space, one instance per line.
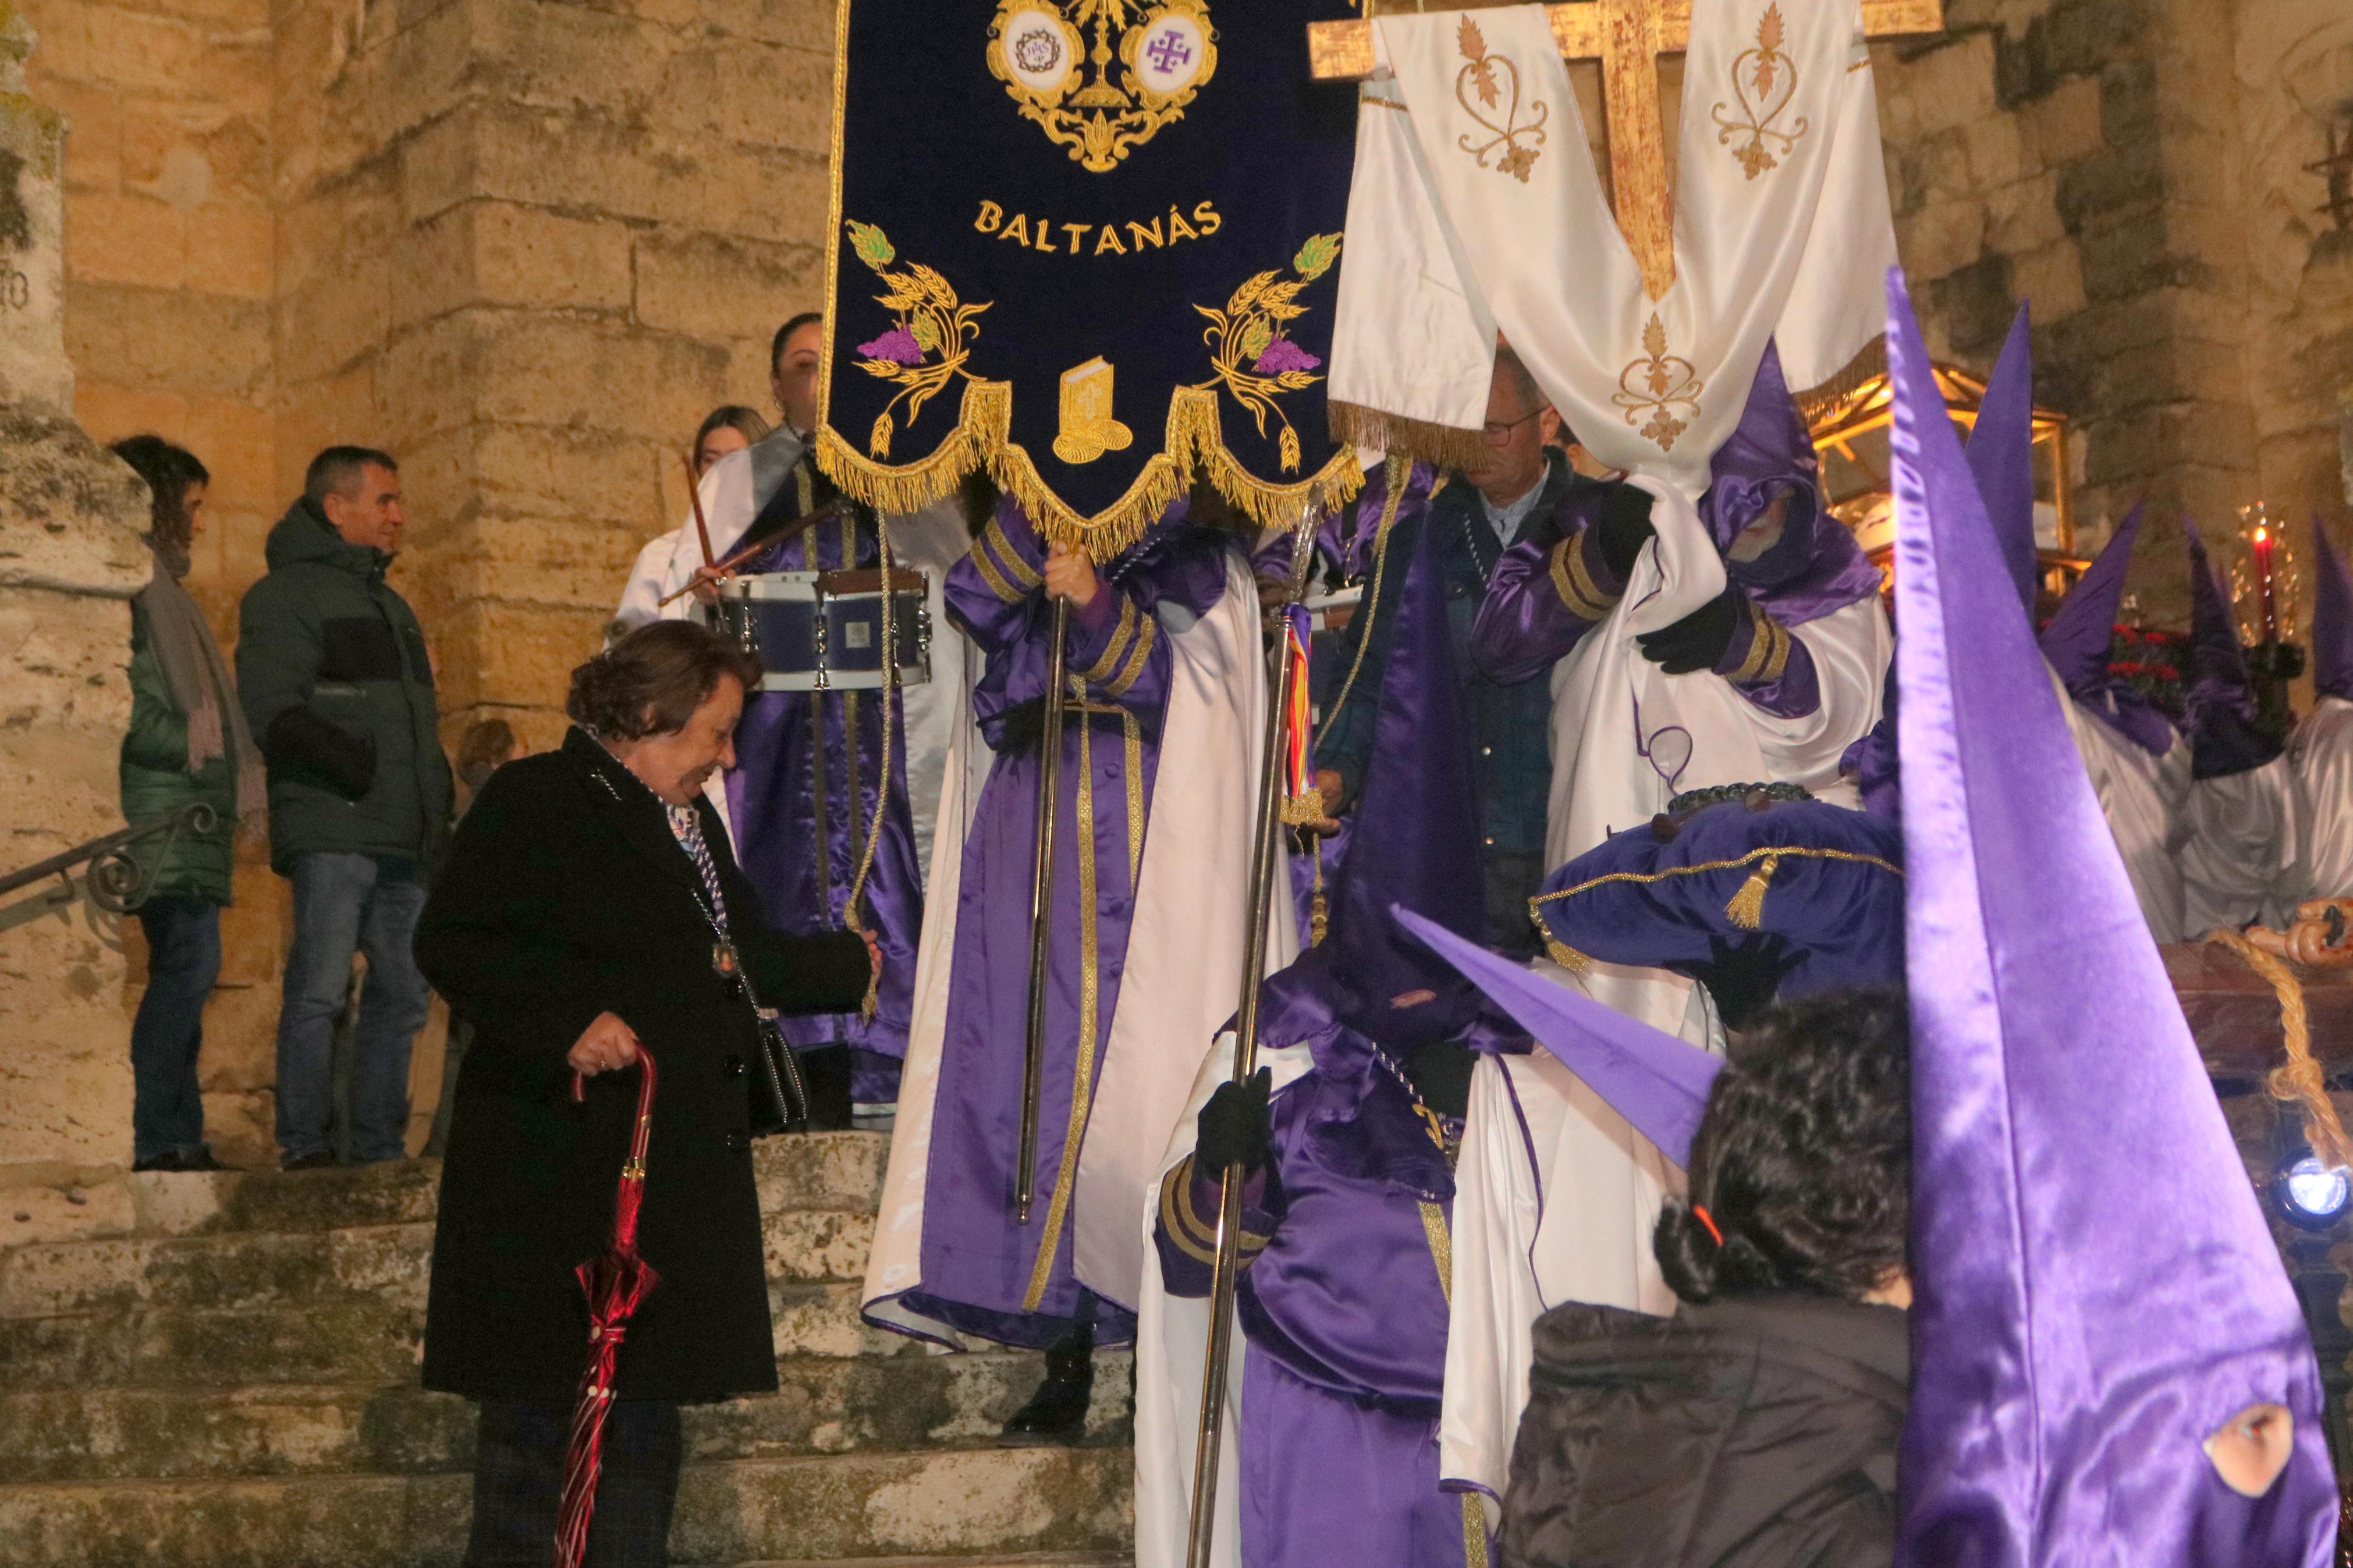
(645,1108)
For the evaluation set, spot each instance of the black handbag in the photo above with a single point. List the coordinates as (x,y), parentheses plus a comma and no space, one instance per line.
(777,1091)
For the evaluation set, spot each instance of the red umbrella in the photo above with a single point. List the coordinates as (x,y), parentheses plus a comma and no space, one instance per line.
(615,1281)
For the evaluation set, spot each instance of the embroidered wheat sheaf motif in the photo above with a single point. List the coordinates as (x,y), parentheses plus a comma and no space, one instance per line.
(1764,80)
(1483,78)
(1664,385)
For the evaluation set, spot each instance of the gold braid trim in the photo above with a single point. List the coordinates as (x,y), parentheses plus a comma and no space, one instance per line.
(1776,663)
(1090,982)
(1399,470)
(1194,1239)
(1114,647)
(1416,440)
(990,575)
(1017,567)
(1760,647)
(2302,1080)
(1117,686)
(1132,732)
(1441,1247)
(1572,579)
(1744,902)
(1474,1532)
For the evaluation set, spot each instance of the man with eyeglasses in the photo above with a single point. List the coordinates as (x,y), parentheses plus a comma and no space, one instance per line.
(1518,485)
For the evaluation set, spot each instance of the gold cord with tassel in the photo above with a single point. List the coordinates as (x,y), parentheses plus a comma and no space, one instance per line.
(1746,908)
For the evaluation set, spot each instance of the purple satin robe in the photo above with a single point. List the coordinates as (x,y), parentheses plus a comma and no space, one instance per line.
(981,1267)
(771,800)
(1344,1314)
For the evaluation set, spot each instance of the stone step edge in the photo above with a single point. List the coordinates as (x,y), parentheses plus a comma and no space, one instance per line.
(194,1484)
(1025,1560)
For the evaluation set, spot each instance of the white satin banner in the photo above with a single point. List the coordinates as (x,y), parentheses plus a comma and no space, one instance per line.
(1491,214)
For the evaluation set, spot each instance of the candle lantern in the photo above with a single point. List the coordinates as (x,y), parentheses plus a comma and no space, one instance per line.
(2266,587)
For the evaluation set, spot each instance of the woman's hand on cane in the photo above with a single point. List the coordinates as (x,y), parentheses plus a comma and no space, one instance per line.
(603,1046)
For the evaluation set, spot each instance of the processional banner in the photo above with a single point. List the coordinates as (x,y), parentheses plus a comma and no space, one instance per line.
(1091,246)
(1477,209)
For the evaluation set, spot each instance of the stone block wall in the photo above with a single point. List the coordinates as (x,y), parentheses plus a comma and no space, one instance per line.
(2135,169)
(69,557)
(523,246)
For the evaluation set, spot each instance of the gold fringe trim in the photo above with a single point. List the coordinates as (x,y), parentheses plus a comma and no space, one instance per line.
(2302,1080)
(1196,436)
(1746,908)
(1193,446)
(1442,446)
(1820,405)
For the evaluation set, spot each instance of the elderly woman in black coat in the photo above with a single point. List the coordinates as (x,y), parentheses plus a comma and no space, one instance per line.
(591,904)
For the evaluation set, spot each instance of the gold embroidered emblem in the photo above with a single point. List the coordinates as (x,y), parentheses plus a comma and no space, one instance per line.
(1166,51)
(1771,76)
(931,321)
(1087,429)
(1480,78)
(1251,354)
(1671,385)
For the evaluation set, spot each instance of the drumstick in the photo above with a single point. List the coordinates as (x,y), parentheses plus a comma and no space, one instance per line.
(782,535)
(694,494)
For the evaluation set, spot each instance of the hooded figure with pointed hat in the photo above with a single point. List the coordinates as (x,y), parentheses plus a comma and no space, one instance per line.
(1741,644)
(2108,1372)
(2102,1371)
(1346,1143)
(2238,856)
(2140,766)
(2320,754)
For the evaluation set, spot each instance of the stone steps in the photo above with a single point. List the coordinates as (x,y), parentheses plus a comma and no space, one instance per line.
(219,1371)
(823,1405)
(851,1506)
(250,1270)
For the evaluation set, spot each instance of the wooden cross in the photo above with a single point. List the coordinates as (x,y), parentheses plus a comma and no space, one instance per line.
(1626,36)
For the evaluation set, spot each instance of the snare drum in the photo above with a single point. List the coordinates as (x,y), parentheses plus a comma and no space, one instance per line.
(822,631)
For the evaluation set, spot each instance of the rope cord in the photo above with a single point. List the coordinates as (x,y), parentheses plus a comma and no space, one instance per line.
(882,779)
(2301,1080)
(1398,470)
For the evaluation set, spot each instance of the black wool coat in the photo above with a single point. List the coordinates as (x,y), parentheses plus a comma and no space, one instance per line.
(565,895)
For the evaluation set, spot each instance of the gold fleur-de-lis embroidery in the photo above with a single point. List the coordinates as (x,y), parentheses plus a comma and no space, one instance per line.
(1521,144)
(1764,80)
(1670,386)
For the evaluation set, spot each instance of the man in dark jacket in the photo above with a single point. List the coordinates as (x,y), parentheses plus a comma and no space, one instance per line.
(337,685)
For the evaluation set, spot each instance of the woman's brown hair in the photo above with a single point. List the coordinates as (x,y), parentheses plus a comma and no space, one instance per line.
(650,681)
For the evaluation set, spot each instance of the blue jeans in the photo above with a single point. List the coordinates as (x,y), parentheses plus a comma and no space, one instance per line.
(343,904)
(184,959)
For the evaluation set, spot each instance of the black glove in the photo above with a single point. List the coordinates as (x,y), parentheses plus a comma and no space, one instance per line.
(1233,1130)
(1699,639)
(1624,527)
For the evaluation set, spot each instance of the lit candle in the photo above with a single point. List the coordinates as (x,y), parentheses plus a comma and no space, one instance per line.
(2262,551)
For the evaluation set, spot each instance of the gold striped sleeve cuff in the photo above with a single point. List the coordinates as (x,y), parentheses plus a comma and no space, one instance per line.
(1574,583)
(1116,646)
(991,576)
(1146,631)
(1012,567)
(1196,1236)
(1769,650)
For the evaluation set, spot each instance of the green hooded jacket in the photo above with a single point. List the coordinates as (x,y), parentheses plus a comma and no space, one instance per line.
(156,780)
(337,687)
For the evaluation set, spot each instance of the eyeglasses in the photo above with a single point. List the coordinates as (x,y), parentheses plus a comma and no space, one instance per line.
(1499,431)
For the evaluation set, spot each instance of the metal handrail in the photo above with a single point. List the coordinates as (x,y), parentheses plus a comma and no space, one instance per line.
(116,882)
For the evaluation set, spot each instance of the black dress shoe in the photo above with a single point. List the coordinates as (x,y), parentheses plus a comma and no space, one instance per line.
(322,1161)
(202,1160)
(167,1161)
(1057,1412)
